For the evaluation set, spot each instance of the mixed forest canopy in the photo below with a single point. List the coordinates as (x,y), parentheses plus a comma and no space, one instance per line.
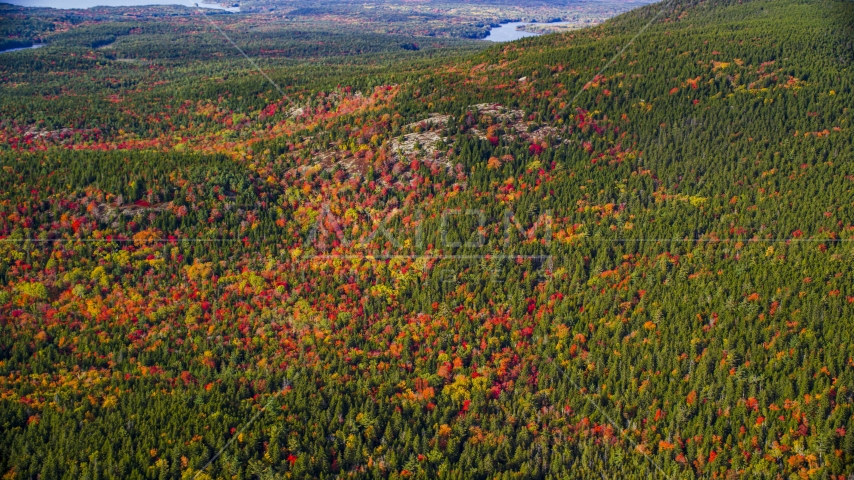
(580,255)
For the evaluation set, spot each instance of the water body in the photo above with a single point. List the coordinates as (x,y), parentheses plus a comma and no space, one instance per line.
(69,4)
(38,45)
(507,32)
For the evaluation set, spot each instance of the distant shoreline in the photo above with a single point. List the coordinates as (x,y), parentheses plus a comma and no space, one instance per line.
(89,4)
(514,30)
(15,49)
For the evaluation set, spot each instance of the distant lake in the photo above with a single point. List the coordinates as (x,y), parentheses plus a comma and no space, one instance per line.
(38,45)
(507,32)
(69,4)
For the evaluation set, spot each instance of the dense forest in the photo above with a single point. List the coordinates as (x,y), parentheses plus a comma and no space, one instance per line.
(591,254)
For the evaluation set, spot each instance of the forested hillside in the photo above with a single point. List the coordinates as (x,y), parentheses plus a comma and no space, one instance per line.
(570,256)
